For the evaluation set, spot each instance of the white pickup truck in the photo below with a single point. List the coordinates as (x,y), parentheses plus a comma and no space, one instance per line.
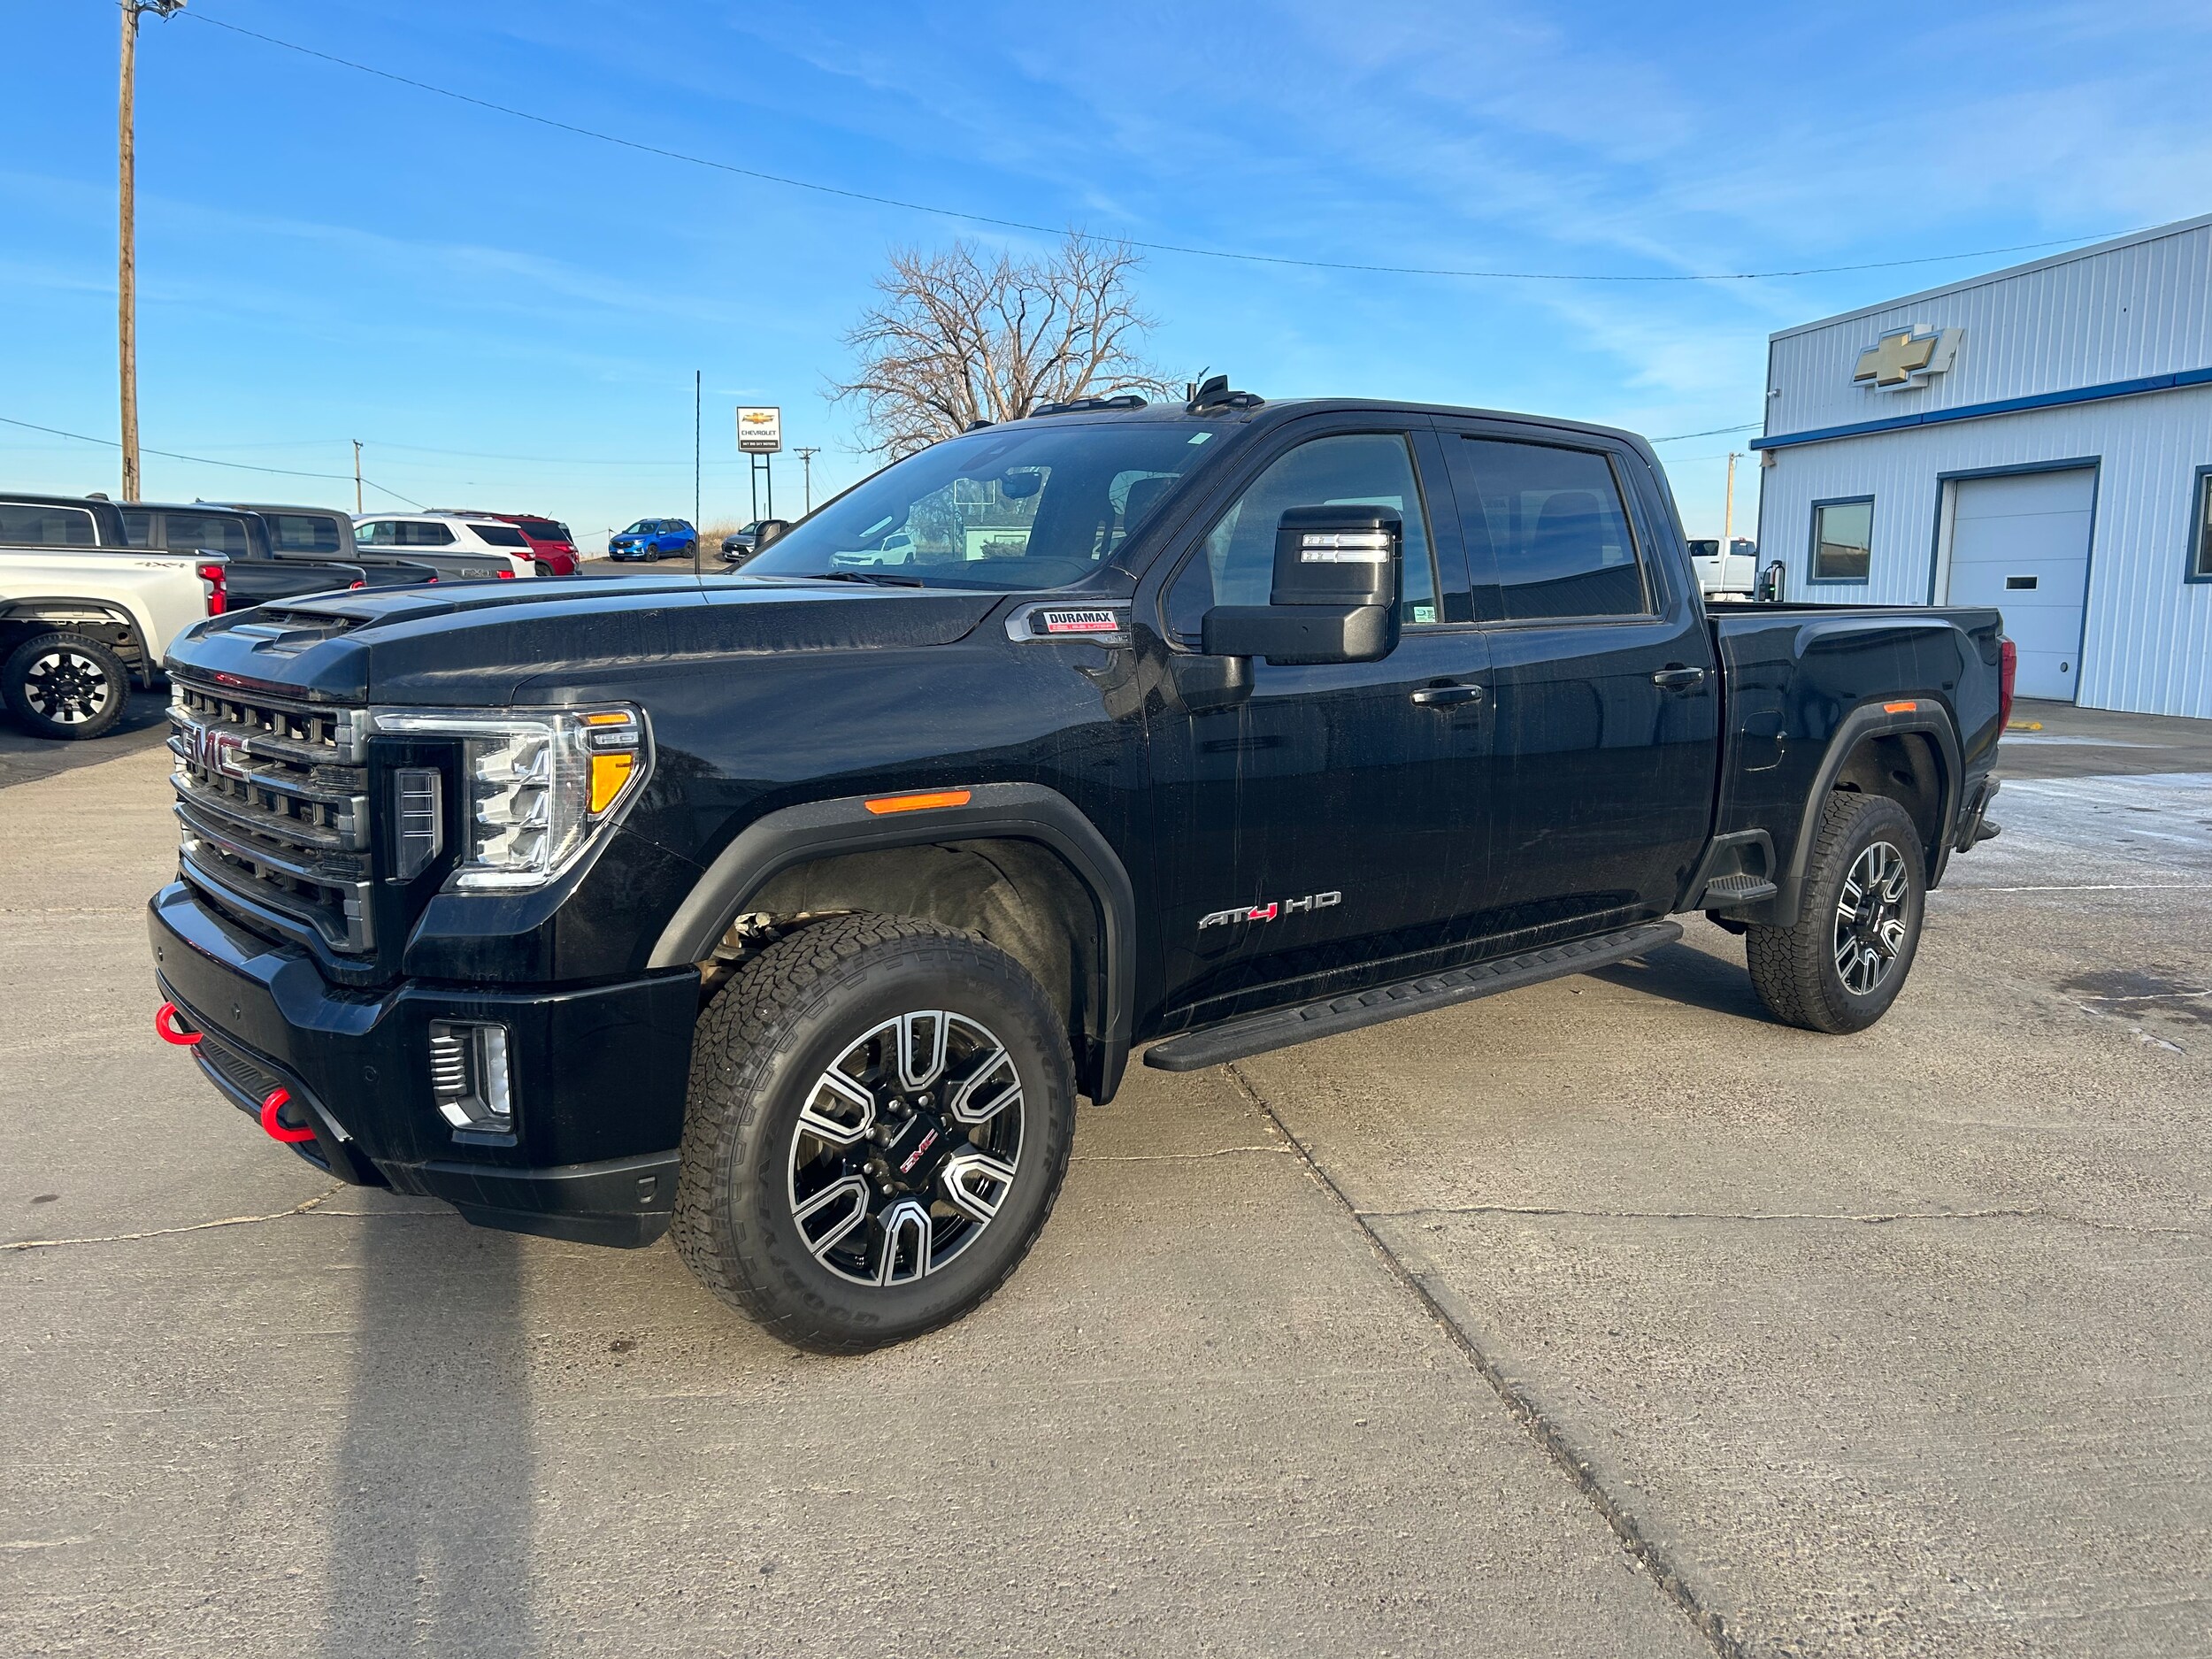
(83,616)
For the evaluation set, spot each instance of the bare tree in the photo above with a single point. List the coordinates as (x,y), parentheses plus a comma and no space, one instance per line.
(962,336)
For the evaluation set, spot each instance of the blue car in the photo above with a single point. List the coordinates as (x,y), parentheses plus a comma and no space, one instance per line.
(653,539)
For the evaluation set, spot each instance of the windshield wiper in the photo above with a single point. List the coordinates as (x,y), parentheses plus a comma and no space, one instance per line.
(879,579)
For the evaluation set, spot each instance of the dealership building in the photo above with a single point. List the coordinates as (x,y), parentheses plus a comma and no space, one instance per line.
(2039,439)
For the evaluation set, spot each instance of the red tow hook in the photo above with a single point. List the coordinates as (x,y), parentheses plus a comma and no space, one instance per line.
(166,1028)
(277,1129)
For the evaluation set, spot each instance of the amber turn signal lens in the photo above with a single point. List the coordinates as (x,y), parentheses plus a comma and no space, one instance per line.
(1898,708)
(610,773)
(919,802)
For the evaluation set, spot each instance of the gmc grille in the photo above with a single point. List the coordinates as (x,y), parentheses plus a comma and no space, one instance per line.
(272,805)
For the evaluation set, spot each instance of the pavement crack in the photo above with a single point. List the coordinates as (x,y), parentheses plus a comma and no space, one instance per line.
(1548,1435)
(1871,1219)
(166,1232)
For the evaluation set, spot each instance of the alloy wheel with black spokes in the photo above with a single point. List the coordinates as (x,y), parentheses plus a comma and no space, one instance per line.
(1870,928)
(879,1122)
(66,686)
(907,1146)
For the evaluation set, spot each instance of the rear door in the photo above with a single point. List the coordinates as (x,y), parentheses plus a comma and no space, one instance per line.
(2020,542)
(1605,744)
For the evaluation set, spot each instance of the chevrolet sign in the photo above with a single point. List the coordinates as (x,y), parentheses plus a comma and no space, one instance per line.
(1906,359)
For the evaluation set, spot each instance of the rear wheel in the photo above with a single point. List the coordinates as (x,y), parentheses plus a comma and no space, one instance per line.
(1844,962)
(880,1118)
(66,686)
(542,568)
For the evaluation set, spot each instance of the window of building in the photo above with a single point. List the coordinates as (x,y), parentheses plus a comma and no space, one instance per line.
(1236,567)
(2201,545)
(1843,540)
(1546,525)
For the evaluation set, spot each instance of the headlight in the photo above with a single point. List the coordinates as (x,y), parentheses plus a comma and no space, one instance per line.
(538,786)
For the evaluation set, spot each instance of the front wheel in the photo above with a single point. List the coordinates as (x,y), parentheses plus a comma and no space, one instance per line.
(880,1118)
(66,686)
(1843,962)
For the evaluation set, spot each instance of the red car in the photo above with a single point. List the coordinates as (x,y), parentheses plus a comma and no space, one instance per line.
(550,544)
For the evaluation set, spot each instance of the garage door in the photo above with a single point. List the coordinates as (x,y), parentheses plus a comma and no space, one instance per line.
(2021,543)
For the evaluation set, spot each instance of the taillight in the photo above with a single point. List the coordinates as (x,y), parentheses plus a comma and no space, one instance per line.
(2007,670)
(506,576)
(218,590)
(351,586)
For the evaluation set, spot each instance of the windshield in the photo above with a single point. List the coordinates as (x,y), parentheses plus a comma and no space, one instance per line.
(643,527)
(1022,507)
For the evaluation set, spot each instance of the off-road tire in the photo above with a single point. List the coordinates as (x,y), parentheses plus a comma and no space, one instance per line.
(1793,969)
(105,669)
(760,1046)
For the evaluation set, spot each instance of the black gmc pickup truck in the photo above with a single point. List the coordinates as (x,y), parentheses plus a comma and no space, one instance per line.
(793,909)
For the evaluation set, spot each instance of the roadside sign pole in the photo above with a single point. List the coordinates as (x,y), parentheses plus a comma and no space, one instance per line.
(695,395)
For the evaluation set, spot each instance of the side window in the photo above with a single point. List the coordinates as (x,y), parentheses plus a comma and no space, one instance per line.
(1843,540)
(23,524)
(413,533)
(138,529)
(1547,526)
(1236,565)
(499,534)
(376,533)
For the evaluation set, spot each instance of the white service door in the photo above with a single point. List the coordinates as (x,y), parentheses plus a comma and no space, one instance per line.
(2021,543)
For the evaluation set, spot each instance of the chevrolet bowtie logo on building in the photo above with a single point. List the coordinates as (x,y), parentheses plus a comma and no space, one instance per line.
(1899,362)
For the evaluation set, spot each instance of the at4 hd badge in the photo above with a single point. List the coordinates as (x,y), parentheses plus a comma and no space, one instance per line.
(1269,912)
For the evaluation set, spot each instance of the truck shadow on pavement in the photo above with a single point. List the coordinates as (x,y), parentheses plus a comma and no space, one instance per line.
(1682,973)
(430,1508)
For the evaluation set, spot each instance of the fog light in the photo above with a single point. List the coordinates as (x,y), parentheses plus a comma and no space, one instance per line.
(469,1075)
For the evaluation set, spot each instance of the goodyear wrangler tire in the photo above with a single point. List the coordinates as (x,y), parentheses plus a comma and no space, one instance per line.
(1843,962)
(879,1119)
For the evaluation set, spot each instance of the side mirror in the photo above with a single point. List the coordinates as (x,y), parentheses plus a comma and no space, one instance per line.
(1339,571)
(769,530)
(1769,590)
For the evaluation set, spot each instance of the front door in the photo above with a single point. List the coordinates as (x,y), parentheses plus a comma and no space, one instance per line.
(2020,542)
(1606,741)
(1314,831)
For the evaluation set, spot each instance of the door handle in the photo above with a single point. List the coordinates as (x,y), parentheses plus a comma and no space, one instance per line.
(1677,677)
(1447,697)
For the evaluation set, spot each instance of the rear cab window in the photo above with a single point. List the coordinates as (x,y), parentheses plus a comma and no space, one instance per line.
(27,525)
(209,532)
(303,533)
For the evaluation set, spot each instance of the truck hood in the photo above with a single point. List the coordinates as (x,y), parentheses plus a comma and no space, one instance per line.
(475,645)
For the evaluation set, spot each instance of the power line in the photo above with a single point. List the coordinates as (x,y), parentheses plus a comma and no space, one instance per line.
(202,460)
(1709,431)
(1154,247)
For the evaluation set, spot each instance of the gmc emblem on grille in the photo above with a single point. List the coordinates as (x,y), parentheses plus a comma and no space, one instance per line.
(216,751)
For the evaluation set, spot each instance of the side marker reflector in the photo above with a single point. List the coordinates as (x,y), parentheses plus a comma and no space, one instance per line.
(1898,708)
(919,802)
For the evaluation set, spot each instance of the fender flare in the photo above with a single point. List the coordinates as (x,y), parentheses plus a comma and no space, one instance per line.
(1927,716)
(800,834)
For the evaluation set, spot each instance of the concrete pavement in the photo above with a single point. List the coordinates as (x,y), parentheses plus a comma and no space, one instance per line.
(1606,1318)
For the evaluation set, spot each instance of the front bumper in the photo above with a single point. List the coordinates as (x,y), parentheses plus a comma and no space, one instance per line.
(600,1075)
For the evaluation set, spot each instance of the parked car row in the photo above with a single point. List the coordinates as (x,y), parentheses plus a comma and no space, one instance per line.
(82,621)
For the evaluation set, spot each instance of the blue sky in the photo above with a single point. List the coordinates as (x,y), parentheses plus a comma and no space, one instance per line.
(509,317)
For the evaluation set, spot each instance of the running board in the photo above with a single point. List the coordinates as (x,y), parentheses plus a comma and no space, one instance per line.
(1279,1028)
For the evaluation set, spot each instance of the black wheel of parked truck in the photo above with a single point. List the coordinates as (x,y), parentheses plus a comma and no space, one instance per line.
(65,685)
(1858,925)
(880,1118)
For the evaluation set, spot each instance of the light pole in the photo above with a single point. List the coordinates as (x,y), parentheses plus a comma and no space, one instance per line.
(127,240)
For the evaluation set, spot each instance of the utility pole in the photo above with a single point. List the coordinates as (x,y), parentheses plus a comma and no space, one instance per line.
(358,508)
(1728,509)
(806,462)
(127,226)
(696,382)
